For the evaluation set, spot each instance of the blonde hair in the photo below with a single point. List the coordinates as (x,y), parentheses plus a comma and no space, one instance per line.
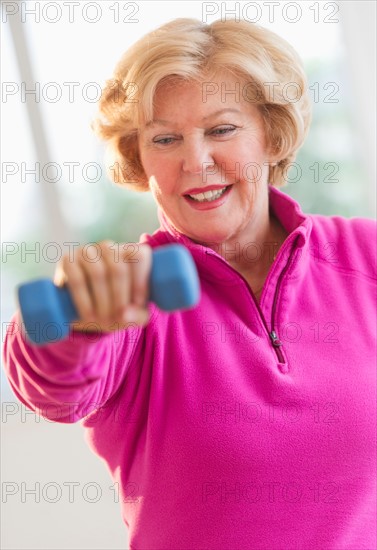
(191,50)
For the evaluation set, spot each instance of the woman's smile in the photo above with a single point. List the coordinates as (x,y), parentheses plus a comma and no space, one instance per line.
(207,200)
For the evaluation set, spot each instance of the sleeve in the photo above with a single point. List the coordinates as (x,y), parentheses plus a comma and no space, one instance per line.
(64,381)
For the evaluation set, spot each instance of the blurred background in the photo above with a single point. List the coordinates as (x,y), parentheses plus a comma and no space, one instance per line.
(55,190)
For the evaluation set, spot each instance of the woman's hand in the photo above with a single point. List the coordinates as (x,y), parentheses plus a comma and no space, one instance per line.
(112,291)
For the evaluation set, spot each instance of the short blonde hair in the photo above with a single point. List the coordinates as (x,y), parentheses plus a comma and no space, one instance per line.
(194,51)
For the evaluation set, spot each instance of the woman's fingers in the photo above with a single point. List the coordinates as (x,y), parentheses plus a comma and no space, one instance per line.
(141,270)
(112,290)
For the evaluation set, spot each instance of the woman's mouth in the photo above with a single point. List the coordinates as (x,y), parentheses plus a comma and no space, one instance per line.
(209,199)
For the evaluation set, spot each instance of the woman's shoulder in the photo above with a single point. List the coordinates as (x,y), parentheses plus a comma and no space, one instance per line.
(353,241)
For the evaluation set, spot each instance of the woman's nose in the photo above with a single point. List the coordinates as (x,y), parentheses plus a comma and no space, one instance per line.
(197,157)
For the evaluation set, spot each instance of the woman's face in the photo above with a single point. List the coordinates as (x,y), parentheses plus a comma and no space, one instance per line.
(203,136)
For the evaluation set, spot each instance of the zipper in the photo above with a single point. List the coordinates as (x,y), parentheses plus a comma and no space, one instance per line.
(277,345)
(275,340)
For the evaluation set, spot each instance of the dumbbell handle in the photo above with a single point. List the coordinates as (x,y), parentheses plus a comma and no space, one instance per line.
(47,310)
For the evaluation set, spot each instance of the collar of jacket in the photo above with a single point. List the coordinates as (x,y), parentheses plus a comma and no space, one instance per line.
(292,256)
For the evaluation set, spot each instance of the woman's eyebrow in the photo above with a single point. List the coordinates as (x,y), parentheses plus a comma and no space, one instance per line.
(156,121)
(221,112)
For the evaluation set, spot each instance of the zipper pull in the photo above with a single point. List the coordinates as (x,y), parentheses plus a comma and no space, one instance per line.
(275,340)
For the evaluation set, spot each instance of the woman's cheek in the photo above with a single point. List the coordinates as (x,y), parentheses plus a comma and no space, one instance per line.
(160,187)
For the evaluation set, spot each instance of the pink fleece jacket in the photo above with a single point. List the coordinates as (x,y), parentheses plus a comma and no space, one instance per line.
(234,425)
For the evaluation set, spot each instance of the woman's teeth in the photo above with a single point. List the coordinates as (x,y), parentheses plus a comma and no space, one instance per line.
(208,196)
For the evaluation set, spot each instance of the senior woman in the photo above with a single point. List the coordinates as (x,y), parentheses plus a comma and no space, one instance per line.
(247,422)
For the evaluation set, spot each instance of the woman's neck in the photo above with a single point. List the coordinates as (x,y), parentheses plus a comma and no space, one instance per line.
(254,259)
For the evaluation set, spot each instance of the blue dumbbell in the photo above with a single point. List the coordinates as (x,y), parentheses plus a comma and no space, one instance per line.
(47,310)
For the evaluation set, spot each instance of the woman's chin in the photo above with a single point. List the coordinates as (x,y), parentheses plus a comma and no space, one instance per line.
(208,237)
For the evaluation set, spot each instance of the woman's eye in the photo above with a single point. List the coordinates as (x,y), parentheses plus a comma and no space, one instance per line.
(217,132)
(164,141)
(223,131)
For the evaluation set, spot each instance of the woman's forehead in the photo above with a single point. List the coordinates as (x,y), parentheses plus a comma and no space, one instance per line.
(221,94)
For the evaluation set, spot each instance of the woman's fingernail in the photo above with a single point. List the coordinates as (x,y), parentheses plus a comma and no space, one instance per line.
(139,300)
(131,315)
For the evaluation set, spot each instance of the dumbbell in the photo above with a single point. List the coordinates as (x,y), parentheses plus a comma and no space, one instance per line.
(173,285)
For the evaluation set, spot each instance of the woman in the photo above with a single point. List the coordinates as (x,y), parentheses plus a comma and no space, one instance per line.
(249,420)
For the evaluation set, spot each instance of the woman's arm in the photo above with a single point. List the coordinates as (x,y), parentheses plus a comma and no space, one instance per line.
(66,380)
